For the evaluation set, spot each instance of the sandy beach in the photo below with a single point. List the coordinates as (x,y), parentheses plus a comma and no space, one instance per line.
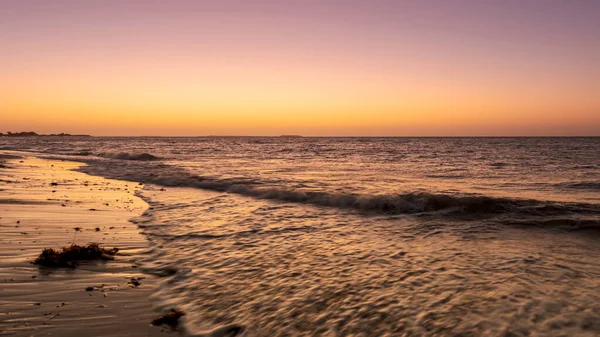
(44,204)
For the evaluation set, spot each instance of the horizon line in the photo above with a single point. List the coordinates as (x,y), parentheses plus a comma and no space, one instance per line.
(300,136)
(65,134)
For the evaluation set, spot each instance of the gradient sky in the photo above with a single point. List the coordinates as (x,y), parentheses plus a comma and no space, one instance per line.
(387,68)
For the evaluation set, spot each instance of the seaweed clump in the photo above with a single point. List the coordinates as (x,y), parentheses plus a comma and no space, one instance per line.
(67,257)
(170,319)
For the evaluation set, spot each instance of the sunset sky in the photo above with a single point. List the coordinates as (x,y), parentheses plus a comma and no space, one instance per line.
(331,68)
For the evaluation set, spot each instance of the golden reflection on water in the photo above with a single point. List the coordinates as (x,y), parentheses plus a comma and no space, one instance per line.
(279,269)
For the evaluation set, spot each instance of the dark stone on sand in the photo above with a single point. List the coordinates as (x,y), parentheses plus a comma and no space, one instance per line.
(135,281)
(171,319)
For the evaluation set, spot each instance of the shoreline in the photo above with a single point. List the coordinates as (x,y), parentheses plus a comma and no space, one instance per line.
(46,204)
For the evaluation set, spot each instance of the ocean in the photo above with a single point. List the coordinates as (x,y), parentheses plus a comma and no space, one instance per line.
(279,236)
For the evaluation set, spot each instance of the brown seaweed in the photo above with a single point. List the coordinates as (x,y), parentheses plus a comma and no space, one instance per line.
(67,257)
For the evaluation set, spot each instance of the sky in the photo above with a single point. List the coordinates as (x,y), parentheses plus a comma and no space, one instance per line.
(313,68)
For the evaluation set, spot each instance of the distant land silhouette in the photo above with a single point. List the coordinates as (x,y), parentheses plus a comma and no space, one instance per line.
(33,134)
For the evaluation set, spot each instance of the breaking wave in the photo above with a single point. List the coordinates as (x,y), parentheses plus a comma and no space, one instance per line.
(581,185)
(129,156)
(403,203)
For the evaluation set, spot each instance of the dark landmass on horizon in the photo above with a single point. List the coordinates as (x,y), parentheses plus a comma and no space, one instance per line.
(33,134)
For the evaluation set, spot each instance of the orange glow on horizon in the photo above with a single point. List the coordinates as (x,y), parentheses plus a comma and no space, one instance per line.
(247,75)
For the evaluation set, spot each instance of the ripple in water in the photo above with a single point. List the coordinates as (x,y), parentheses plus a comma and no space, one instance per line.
(365,237)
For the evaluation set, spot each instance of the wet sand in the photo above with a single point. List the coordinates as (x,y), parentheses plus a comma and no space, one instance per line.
(35,214)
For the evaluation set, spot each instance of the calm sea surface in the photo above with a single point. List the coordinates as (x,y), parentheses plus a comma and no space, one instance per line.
(365,236)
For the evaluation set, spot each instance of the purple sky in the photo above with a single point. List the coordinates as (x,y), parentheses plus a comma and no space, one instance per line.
(310,67)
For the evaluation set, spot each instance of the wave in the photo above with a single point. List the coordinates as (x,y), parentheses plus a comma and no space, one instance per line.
(403,203)
(9,156)
(129,156)
(580,185)
(446,176)
(569,224)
